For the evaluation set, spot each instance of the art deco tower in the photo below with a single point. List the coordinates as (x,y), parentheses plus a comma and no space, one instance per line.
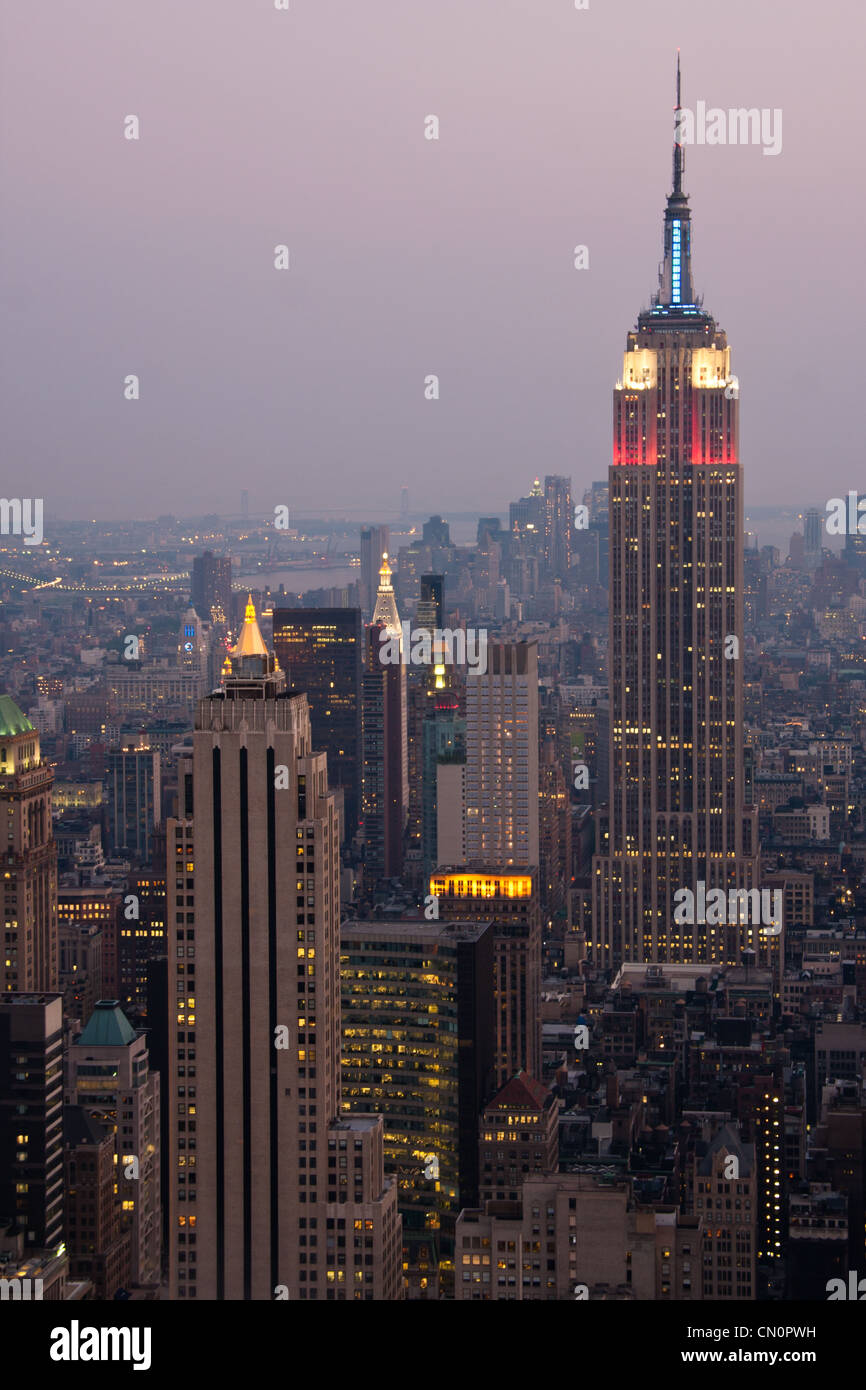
(677,810)
(265,1170)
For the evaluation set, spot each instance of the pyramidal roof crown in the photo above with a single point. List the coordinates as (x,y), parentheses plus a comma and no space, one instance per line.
(107,1026)
(250,641)
(521,1092)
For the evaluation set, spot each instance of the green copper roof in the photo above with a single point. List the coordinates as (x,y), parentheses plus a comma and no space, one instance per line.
(107,1026)
(12,719)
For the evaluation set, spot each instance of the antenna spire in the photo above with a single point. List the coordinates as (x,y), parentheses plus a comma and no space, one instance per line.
(679,157)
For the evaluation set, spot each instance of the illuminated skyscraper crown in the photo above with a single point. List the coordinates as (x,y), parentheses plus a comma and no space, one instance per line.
(386,601)
(675,297)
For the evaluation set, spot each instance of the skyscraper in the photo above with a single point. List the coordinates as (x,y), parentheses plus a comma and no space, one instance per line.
(212,586)
(31,1117)
(321,652)
(375,542)
(386,758)
(509,899)
(677,812)
(29,857)
(257,1190)
(133,782)
(501,809)
(812,527)
(559,521)
(418,1023)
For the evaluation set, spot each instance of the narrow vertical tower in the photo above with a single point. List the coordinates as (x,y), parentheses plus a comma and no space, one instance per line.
(263,1164)
(29,960)
(677,814)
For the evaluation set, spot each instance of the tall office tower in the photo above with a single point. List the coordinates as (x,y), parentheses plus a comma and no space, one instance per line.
(599,521)
(430,605)
(527,521)
(418,1049)
(142,928)
(211,593)
(509,899)
(418,701)
(321,652)
(436,532)
(812,531)
(385,726)
(108,1075)
(31,1117)
(385,745)
(134,794)
(554,817)
(677,813)
(375,542)
(443,741)
(559,523)
(501,810)
(30,858)
(423,685)
(761,1113)
(192,645)
(257,1034)
(99,1247)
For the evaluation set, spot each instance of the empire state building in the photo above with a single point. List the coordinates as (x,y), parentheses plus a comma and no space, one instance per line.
(677,816)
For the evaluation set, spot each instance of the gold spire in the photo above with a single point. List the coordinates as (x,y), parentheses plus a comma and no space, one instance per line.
(385,572)
(250,641)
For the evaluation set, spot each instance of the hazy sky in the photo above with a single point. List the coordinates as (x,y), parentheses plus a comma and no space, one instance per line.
(408,256)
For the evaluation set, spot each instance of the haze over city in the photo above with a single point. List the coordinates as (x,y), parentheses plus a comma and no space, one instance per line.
(408,256)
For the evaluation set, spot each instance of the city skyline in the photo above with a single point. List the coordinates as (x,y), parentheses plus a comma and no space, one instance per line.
(403,904)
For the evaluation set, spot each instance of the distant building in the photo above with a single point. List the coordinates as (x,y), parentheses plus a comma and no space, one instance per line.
(31,1106)
(142,929)
(559,524)
(29,857)
(501,811)
(98,1246)
(375,542)
(723,1181)
(518,1138)
(321,650)
(134,788)
(817,1247)
(417,1002)
(509,899)
(109,1077)
(385,732)
(211,593)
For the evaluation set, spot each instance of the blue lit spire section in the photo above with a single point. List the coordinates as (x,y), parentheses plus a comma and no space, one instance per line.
(676,260)
(675,297)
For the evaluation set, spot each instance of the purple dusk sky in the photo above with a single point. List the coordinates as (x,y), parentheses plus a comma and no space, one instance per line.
(408,256)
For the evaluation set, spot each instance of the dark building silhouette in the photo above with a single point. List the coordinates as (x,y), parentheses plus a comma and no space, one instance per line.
(320,650)
(212,586)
